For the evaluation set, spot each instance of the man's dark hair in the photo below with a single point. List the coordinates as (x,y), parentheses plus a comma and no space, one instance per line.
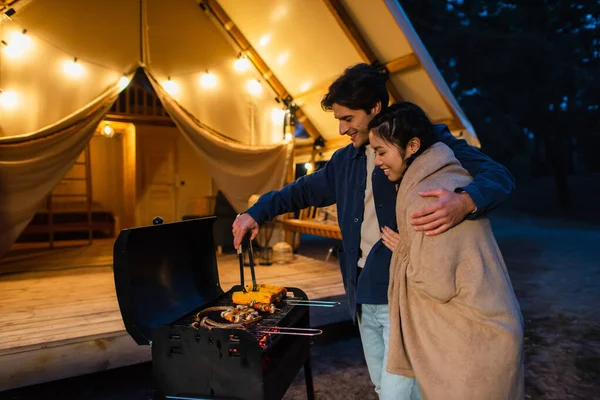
(360,87)
(401,122)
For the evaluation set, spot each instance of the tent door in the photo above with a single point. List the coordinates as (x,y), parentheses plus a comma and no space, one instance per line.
(158,193)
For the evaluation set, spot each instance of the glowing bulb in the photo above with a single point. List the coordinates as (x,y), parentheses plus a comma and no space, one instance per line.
(308,166)
(288,136)
(73,68)
(264,40)
(8,100)
(277,115)
(208,80)
(241,64)
(17,45)
(123,82)
(283,57)
(254,87)
(170,87)
(108,130)
(305,87)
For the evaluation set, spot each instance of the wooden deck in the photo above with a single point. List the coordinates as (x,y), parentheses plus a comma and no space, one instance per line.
(59,315)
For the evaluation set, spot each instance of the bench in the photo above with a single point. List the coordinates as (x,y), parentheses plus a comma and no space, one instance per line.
(314,221)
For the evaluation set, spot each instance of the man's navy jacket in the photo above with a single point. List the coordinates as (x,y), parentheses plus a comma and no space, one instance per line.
(342,180)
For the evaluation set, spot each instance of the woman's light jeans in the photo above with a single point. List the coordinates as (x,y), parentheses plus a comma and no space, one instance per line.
(374,326)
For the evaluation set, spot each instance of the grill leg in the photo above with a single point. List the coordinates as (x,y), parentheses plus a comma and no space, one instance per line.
(310,390)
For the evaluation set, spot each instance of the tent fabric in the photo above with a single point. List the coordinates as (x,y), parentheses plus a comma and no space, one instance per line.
(238,170)
(31,165)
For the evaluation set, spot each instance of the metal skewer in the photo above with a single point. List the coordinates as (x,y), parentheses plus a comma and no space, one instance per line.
(312,303)
(291,331)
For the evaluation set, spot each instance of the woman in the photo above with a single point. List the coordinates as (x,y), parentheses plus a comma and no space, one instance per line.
(455,321)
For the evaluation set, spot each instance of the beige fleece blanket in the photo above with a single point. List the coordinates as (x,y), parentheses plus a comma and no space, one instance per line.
(455,322)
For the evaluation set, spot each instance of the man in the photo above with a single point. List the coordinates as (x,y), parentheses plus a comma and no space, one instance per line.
(366,206)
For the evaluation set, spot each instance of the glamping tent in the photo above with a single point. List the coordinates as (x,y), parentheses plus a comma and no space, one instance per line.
(224,77)
(137,108)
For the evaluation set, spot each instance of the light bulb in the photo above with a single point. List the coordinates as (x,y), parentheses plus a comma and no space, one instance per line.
(73,68)
(308,166)
(288,136)
(17,45)
(282,58)
(305,87)
(277,115)
(254,87)
(170,87)
(208,80)
(242,64)
(264,40)
(123,82)
(108,130)
(8,100)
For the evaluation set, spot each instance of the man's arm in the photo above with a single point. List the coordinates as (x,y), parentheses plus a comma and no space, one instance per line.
(316,189)
(492,182)
(491,186)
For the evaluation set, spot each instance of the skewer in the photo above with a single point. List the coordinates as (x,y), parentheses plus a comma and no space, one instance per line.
(312,303)
(291,331)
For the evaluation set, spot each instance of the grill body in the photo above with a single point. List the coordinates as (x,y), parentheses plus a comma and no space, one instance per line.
(164,275)
(230,363)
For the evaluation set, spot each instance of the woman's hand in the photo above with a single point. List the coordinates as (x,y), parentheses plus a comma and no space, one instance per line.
(389,238)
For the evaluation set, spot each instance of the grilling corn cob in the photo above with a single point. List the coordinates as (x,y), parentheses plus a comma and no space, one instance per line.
(265,294)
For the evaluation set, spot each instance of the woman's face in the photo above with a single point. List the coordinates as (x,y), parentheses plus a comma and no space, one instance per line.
(389,158)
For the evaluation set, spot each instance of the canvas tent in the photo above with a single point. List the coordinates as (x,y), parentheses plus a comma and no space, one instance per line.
(64,62)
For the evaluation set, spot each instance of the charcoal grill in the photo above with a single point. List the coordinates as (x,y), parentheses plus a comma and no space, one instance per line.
(164,275)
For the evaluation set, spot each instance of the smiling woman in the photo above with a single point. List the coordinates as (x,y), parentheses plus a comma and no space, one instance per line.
(459,313)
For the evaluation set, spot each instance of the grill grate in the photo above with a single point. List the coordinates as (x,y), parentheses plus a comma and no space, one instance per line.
(277,319)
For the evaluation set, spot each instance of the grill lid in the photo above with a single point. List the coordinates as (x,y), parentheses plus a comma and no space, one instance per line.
(163,272)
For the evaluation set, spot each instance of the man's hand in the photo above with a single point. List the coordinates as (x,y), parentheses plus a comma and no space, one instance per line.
(450,210)
(242,224)
(389,238)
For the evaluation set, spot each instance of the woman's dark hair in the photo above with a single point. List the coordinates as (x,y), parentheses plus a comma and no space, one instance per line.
(401,122)
(360,87)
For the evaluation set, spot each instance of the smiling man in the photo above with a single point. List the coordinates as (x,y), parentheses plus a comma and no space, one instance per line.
(365,200)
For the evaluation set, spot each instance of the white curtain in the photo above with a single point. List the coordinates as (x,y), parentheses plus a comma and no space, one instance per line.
(32,164)
(239,170)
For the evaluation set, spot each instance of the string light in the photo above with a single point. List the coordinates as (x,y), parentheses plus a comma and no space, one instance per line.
(208,80)
(17,45)
(73,68)
(123,82)
(277,115)
(170,86)
(8,100)
(242,64)
(264,40)
(254,87)
(283,58)
(305,86)
(108,130)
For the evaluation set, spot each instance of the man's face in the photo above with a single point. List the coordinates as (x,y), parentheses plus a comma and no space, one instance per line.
(354,123)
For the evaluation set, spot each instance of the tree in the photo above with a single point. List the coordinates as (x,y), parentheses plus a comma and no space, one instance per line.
(531,68)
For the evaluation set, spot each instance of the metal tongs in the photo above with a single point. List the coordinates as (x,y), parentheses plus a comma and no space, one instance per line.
(251,260)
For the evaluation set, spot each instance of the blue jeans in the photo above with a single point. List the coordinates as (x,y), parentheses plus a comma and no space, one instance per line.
(374,326)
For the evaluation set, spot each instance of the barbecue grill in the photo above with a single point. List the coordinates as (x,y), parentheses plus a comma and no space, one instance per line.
(165,275)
